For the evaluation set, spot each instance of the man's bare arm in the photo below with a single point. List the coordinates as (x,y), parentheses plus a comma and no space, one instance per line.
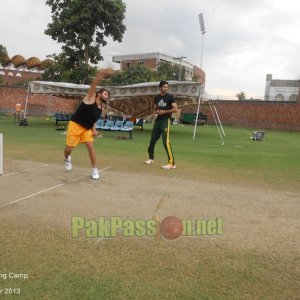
(92,90)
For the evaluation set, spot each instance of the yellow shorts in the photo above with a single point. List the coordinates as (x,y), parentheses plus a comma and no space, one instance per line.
(78,134)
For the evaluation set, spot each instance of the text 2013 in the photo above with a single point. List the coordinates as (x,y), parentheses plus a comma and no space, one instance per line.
(10,291)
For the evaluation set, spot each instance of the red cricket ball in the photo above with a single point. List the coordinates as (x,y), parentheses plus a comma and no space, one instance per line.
(171,228)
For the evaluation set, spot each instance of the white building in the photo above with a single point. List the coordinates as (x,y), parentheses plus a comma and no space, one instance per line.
(281,90)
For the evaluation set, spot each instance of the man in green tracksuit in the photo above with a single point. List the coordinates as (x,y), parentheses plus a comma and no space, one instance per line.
(164,106)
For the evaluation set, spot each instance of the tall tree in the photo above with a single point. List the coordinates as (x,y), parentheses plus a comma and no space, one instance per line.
(58,69)
(3,54)
(82,26)
(131,75)
(241,96)
(138,74)
(166,71)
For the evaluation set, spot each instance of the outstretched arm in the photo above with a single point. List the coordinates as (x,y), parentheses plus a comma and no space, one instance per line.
(92,90)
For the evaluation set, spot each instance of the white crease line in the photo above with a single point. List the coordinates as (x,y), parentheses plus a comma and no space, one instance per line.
(106,168)
(47,190)
(25,170)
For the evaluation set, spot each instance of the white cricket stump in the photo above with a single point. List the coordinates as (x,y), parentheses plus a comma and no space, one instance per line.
(1,154)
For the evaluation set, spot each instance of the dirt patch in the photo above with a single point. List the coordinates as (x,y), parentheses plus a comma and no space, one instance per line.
(254,219)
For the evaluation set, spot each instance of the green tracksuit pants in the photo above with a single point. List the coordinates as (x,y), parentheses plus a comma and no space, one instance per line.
(161,128)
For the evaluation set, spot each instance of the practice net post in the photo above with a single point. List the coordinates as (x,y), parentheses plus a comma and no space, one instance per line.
(1,154)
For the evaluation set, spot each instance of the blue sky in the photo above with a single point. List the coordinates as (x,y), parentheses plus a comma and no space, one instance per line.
(244,40)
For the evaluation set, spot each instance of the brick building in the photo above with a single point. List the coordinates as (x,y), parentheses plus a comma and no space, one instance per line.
(18,70)
(152,60)
(12,76)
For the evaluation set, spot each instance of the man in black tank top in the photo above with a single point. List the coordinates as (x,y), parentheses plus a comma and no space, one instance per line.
(82,127)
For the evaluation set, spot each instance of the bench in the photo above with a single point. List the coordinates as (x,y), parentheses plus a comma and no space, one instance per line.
(2,115)
(140,123)
(118,125)
(62,118)
(190,118)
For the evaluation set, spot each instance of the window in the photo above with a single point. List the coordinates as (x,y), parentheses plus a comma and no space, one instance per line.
(279,97)
(140,63)
(293,97)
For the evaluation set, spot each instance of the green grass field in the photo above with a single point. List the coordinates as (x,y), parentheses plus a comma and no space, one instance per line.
(273,162)
(140,269)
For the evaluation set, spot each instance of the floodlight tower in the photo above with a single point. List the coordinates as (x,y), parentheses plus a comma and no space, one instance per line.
(202,29)
(212,107)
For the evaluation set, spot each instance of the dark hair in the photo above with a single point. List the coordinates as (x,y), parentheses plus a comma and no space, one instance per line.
(100,91)
(163,83)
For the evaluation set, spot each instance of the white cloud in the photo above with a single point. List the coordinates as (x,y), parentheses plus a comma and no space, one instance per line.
(244,40)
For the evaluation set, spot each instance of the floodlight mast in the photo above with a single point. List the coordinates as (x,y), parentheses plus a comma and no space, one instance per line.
(202,29)
(212,107)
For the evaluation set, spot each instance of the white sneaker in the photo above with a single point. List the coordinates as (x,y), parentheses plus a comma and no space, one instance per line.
(68,165)
(149,161)
(95,174)
(169,167)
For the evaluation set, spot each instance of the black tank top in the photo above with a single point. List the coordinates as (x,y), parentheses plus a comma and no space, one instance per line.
(87,115)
